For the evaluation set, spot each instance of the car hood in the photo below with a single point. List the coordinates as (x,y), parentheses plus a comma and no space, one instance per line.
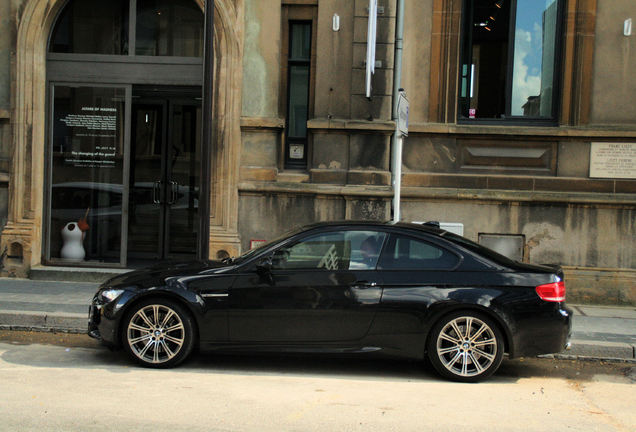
(156,275)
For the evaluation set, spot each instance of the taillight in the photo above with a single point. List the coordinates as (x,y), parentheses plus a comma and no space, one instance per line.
(552,292)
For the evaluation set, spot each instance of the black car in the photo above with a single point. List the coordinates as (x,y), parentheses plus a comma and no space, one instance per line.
(401,290)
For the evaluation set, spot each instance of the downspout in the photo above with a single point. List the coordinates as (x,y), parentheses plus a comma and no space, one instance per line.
(396,144)
(207,132)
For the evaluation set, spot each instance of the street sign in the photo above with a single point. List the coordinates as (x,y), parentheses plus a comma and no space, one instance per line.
(403,114)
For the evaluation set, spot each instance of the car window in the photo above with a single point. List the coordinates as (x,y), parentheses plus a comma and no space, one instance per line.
(407,253)
(342,250)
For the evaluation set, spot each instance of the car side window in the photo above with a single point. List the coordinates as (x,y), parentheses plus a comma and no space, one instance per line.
(407,253)
(342,250)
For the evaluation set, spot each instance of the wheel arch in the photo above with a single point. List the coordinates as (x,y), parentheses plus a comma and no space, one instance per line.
(497,317)
(160,295)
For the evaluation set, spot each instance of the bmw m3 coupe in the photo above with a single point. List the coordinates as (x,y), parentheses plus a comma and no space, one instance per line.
(368,288)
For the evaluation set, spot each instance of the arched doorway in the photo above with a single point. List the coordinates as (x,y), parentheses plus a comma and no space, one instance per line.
(124,145)
(36,89)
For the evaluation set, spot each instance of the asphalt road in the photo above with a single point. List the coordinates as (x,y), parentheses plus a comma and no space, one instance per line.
(68,382)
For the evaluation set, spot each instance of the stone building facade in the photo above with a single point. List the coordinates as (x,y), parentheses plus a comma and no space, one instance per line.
(296,140)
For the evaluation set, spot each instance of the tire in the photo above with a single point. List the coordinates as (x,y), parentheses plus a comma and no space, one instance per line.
(465,356)
(158,333)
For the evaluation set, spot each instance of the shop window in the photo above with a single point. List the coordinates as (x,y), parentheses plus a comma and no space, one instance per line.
(509,65)
(92,27)
(161,28)
(87,172)
(169,28)
(298,73)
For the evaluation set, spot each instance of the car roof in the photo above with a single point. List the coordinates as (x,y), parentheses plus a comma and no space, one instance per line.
(378,224)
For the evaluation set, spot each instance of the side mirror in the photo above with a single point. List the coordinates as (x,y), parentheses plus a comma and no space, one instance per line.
(264,266)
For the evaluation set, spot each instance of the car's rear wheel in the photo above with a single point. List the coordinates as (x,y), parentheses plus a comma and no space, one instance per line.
(158,333)
(465,346)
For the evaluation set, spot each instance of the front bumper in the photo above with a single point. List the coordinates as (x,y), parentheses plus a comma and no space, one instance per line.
(104,318)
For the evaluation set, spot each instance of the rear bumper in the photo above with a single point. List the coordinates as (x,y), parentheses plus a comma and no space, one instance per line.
(547,334)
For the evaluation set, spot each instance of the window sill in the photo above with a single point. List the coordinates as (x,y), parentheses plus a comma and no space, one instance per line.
(604,131)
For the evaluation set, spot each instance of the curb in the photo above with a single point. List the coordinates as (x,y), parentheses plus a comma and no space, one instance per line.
(588,358)
(74,323)
(48,322)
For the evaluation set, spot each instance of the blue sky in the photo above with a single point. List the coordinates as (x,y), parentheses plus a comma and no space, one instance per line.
(528,51)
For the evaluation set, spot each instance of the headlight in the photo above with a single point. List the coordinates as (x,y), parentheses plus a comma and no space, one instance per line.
(108,295)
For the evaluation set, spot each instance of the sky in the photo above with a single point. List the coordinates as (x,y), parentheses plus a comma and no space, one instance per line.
(528,51)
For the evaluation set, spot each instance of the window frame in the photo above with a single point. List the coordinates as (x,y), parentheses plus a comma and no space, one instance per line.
(465,45)
(306,11)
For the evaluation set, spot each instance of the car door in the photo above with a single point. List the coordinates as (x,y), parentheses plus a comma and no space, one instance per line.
(416,274)
(321,288)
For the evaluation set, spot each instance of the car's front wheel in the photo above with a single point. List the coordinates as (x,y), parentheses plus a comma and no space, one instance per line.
(465,346)
(158,333)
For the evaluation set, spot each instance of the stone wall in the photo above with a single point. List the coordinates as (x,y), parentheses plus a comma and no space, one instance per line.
(614,64)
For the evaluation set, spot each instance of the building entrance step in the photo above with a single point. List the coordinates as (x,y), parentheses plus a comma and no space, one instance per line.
(74,274)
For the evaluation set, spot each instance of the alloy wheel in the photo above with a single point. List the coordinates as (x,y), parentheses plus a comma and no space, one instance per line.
(156,334)
(466,347)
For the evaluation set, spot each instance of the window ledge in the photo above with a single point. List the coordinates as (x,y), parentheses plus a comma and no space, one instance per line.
(604,131)
(5,114)
(346,124)
(262,122)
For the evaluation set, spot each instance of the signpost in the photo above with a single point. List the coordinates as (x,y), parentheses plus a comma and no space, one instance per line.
(401,130)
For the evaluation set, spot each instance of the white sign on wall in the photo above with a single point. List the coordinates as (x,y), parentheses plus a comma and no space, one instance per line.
(613,160)
(403,114)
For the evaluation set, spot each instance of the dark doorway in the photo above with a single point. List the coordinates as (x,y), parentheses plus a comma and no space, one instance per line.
(165,154)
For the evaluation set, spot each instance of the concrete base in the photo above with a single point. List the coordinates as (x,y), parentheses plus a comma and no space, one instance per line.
(74,274)
(600,286)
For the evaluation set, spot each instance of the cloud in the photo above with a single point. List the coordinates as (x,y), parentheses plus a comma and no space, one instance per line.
(527,67)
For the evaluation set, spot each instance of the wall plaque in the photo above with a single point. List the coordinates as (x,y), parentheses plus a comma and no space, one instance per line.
(613,160)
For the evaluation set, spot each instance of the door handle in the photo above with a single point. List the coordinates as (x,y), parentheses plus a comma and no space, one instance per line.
(156,192)
(364,284)
(174,192)
(215,295)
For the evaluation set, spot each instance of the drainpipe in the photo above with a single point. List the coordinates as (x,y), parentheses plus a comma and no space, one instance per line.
(207,133)
(396,144)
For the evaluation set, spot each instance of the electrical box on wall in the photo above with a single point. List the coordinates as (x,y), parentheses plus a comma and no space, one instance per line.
(509,245)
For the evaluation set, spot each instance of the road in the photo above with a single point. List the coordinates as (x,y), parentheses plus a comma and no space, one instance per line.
(67,382)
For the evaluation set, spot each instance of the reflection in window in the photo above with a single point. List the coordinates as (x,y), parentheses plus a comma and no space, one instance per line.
(87,170)
(169,28)
(508,60)
(92,27)
(344,250)
(405,253)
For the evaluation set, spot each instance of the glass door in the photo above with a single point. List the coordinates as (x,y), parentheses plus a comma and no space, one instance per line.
(164,174)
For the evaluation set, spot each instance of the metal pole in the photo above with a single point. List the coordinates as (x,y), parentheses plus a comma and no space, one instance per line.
(207,132)
(396,145)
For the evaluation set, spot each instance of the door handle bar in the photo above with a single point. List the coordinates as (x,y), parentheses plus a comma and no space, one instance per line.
(156,191)
(364,284)
(174,192)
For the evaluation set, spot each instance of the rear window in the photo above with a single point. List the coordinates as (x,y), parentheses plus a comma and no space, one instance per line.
(478,249)
(408,253)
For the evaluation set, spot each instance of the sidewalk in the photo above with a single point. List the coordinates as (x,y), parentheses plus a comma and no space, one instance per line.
(599,332)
